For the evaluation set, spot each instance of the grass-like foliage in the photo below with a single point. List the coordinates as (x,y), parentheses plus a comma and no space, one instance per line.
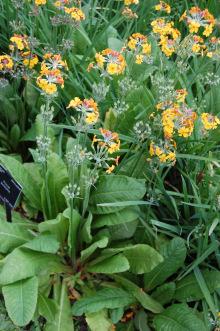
(110,121)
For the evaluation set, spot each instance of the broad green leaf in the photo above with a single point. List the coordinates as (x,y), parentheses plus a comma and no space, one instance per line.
(21,300)
(145,300)
(57,178)
(142,258)
(115,189)
(12,235)
(123,231)
(111,265)
(164,293)
(63,318)
(46,243)
(31,189)
(58,227)
(187,289)
(110,298)
(86,230)
(115,44)
(47,307)
(135,166)
(102,243)
(174,257)
(123,216)
(99,321)
(23,263)
(178,317)
(141,321)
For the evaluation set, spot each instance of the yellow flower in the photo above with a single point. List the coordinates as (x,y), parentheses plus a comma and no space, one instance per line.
(40,2)
(146,48)
(30,60)
(110,169)
(139,59)
(20,41)
(6,62)
(194,27)
(208,30)
(75,103)
(210,122)
(131,2)
(163,6)
(112,68)
(76,13)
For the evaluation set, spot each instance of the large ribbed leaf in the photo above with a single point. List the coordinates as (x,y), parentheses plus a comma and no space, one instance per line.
(142,258)
(12,235)
(106,298)
(111,265)
(63,318)
(21,300)
(174,257)
(145,300)
(111,189)
(178,318)
(23,263)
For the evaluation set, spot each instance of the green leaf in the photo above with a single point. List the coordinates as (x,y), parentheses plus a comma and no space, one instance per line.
(103,242)
(12,235)
(74,222)
(115,189)
(57,178)
(46,243)
(178,317)
(174,257)
(141,321)
(123,231)
(142,258)
(31,189)
(110,298)
(99,321)
(23,263)
(115,44)
(164,293)
(47,307)
(145,300)
(63,318)
(86,230)
(111,265)
(21,300)
(123,216)
(58,227)
(187,289)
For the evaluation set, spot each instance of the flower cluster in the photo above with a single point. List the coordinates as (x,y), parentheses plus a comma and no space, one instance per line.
(109,62)
(197,18)
(167,34)
(177,116)
(163,6)
(75,13)
(213,48)
(51,74)
(164,151)
(210,122)
(109,143)
(131,2)
(140,45)
(87,108)
(40,2)
(20,48)
(6,63)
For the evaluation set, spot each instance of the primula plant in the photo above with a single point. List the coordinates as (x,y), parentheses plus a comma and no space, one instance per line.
(110,122)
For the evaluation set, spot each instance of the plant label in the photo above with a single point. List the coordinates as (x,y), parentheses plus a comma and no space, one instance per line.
(9,188)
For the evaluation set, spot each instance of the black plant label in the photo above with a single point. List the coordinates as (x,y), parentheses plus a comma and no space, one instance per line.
(10,189)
